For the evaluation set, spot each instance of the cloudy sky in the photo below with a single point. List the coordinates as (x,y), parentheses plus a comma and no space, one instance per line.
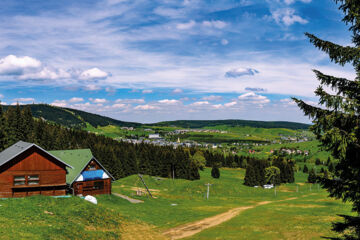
(149,61)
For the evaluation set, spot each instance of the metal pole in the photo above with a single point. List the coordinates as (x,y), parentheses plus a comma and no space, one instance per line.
(208,190)
(275,190)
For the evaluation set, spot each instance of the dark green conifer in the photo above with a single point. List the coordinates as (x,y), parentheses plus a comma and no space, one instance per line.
(312,176)
(336,123)
(215,172)
(305,170)
(250,179)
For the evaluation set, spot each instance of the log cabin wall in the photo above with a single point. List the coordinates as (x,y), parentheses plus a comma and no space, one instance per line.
(94,187)
(32,172)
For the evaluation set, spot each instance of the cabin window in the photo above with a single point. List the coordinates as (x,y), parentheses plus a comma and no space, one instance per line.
(26,180)
(19,180)
(33,180)
(92,167)
(99,185)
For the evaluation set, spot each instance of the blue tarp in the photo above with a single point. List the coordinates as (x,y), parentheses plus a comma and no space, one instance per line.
(92,175)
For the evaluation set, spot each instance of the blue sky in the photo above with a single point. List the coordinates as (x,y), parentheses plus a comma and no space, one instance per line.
(149,61)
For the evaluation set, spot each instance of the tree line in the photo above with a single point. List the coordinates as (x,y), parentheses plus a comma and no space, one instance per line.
(120,158)
(276,170)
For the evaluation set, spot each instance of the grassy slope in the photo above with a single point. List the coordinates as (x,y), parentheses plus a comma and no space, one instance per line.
(41,217)
(307,217)
(285,219)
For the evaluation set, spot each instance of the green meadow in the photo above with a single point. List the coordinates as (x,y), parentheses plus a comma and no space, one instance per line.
(296,211)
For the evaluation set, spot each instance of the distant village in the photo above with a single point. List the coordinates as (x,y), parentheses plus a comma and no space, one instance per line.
(161,140)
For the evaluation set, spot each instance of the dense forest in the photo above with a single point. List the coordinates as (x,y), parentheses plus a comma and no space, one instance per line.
(120,158)
(232,123)
(276,170)
(78,119)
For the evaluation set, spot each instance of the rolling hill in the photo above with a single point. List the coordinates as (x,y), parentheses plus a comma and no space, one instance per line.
(79,119)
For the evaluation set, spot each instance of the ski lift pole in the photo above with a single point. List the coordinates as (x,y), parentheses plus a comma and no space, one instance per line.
(140,176)
(208,190)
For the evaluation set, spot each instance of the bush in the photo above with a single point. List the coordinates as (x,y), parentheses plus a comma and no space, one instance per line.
(215,172)
(312,176)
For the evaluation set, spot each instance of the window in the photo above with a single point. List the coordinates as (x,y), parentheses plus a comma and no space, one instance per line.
(19,180)
(91,167)
(99,185)
(33,180)
(26,180)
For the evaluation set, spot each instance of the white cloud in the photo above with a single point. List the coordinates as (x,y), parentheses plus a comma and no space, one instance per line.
(76,99)
(131,100)
(146,107)
(92,87)
(253,98)
(238,72)
(59,103)
(98,100)
(1,96)
(217,106)
(169,101)
(287,17)
(13,65)
(288,2)
(177,90)
(212,98)
(255,89)
(24,99)
(224,41)
(185,26)
(200,103)
(3,103)
(119,105)
(215,24)
(93,73)
(230,104)
(110,90)
(147,91)
(45,74)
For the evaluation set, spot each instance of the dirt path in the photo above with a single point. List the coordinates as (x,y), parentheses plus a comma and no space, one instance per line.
(132,200)
(193,228)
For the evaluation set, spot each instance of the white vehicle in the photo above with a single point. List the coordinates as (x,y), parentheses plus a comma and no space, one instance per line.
(268,186)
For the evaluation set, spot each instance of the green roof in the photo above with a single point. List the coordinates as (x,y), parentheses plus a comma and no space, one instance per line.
(78,159)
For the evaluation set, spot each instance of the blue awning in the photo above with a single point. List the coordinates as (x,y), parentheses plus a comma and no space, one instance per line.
(92,175)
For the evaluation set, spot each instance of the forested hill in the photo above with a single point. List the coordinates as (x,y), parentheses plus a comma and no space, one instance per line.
(232,123)
(78,119)
(72,117)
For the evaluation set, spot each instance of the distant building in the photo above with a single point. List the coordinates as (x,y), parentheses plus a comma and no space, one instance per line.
(154,136)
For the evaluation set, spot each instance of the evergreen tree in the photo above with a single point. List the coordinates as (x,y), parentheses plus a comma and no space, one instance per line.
(4,131)
(312,176)
(215,172)
(305,170)
(331,167)
(328,161)
(250,179)
(336,124)
(317,161)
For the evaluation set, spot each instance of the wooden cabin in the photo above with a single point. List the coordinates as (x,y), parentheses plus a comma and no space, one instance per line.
(26,169)
(88,176)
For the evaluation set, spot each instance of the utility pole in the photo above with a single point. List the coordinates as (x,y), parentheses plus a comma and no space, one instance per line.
(275,190)
(208,190)
(140,176)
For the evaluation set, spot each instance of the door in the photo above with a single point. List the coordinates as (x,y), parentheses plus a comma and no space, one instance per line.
(79,189)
